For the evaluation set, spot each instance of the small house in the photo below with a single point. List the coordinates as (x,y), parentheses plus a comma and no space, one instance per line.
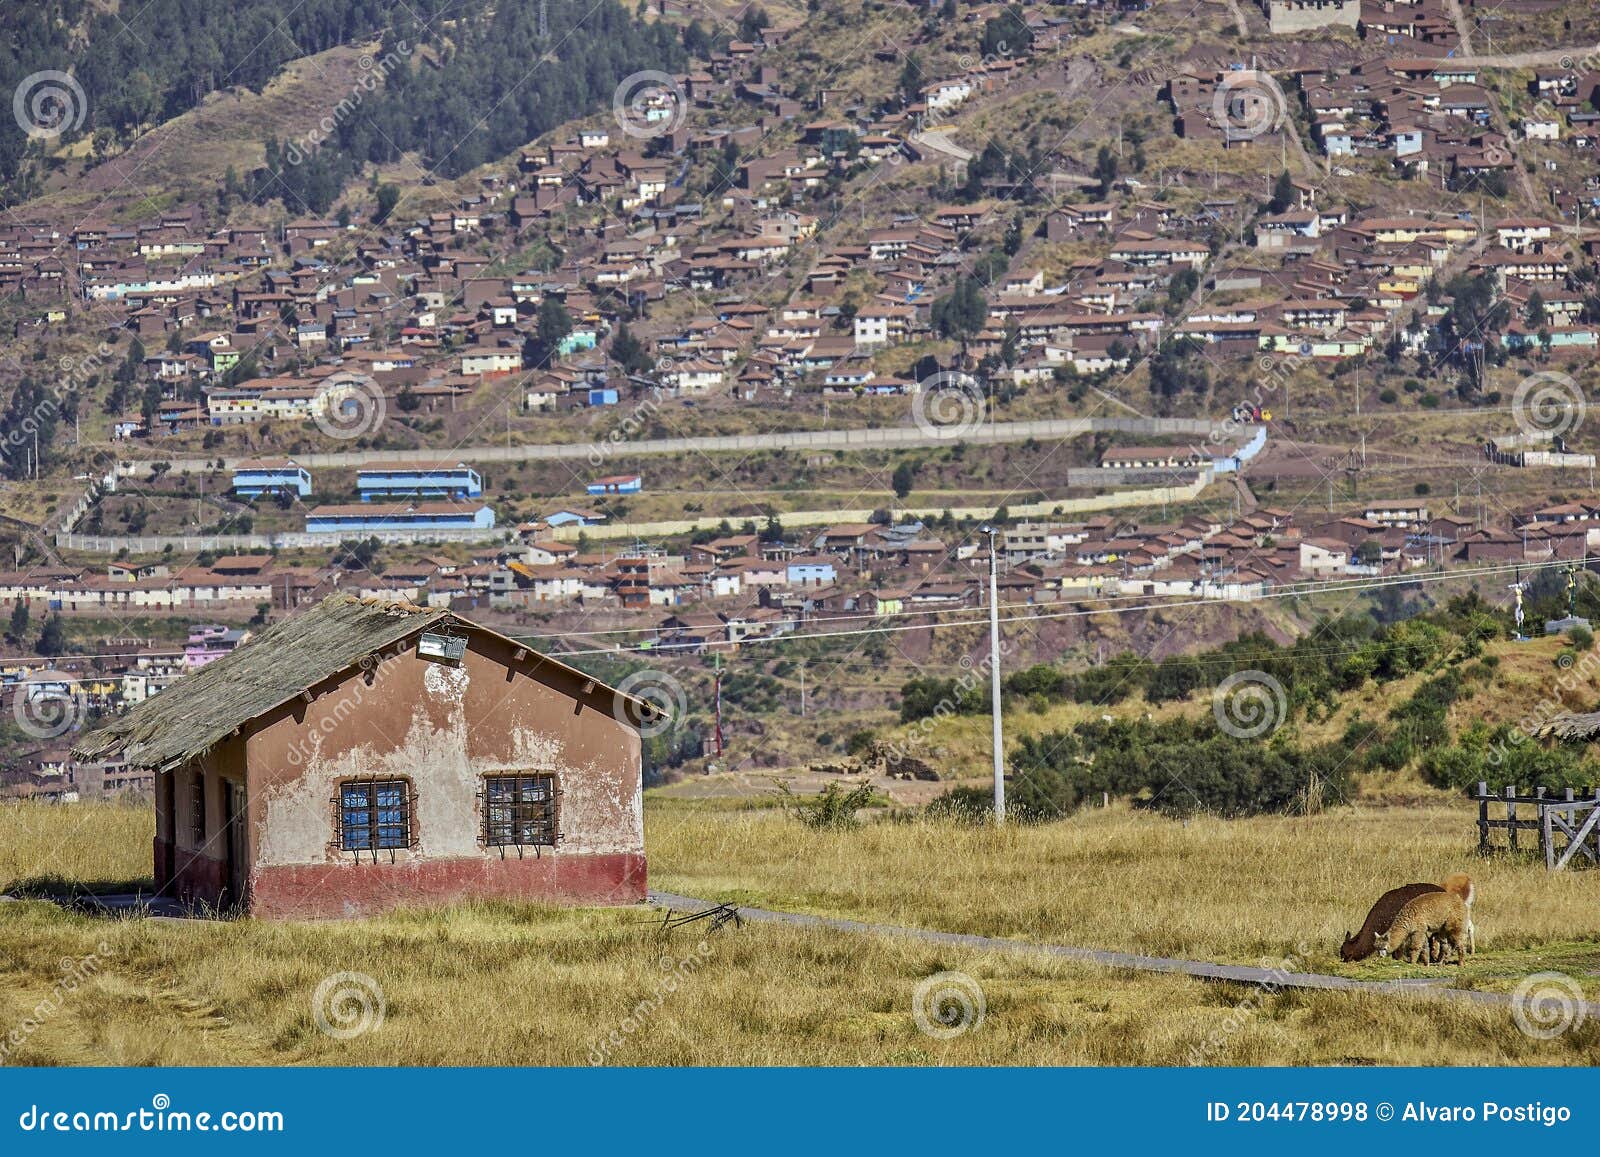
(370,754)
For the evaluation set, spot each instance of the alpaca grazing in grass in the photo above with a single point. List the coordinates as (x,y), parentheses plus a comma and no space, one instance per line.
(1445,916)
(1364,943)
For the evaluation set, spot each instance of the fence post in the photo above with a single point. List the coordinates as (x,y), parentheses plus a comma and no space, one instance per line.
(1483,818)
(1511,814)
(1541,812)
(1597,826)
(1547,838)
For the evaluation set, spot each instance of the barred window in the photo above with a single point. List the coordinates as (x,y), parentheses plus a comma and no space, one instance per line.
(375,814)
(197,809)
(519,810)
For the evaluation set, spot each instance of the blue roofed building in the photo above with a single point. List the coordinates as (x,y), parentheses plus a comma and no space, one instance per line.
(617,484)
(456,481)
(572,516)
(416,517)
(271,476)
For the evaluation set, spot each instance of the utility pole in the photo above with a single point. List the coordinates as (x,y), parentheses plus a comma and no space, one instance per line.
(802,690)
(994,677)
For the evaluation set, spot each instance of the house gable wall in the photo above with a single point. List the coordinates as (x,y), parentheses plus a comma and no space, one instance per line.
(443,729)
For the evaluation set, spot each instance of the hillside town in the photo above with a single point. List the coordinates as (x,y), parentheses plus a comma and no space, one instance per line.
(1338,186)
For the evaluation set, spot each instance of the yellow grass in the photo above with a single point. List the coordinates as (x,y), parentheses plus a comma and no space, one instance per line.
(1207,889)
(95,848)
(522,985)
(500,983)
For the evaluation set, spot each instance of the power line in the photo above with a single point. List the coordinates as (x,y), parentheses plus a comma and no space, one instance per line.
(1294,591)
(975,616)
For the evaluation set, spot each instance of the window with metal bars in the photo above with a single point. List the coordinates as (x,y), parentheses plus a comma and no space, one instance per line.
(374,814)
(519,810)
(197,809)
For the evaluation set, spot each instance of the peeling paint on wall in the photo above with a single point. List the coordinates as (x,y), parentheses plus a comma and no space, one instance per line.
(444,729)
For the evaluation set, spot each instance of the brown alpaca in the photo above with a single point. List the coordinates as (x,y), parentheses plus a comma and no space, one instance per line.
(1433,914)
(1364,943)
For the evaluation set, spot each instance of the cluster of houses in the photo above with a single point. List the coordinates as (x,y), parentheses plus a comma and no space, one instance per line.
(723,592)
(1435,115)
(102,685)
(1245,559)
(1342,282)
(308,320)
(256,325)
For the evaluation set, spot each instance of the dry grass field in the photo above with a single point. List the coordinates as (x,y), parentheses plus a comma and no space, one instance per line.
(482,984)
(1207,889)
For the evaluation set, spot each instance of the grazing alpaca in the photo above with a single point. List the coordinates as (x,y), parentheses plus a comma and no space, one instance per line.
(1445,915)
(1460,884)
(1364,943)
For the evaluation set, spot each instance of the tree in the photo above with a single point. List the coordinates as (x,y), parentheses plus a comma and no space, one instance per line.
(911,79)
(1013,237)
(1175,367)
(629,352)
(407,399)
(553,325)
(905,477)
(1535,315)
(1007,34)
(53,638)
(19,623)
(961,313)
(388,198)
(1370,552)
(1477,312)
(751,24)
(1283,194)
(1105,170)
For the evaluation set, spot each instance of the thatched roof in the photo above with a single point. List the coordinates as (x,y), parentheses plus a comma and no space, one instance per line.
(199,711)
(1574,728)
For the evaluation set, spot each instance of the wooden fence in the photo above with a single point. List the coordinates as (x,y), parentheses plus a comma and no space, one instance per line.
(1566,825)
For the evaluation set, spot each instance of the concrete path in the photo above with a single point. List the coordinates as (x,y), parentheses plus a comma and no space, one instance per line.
(1198,969)
(120,904)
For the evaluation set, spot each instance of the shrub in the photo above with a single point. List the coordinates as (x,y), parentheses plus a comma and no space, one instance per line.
(858,741)
(965,805)
(1503,755)
(834,809)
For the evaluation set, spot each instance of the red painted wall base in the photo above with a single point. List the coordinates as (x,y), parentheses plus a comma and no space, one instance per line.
(304,891)
(191,877)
